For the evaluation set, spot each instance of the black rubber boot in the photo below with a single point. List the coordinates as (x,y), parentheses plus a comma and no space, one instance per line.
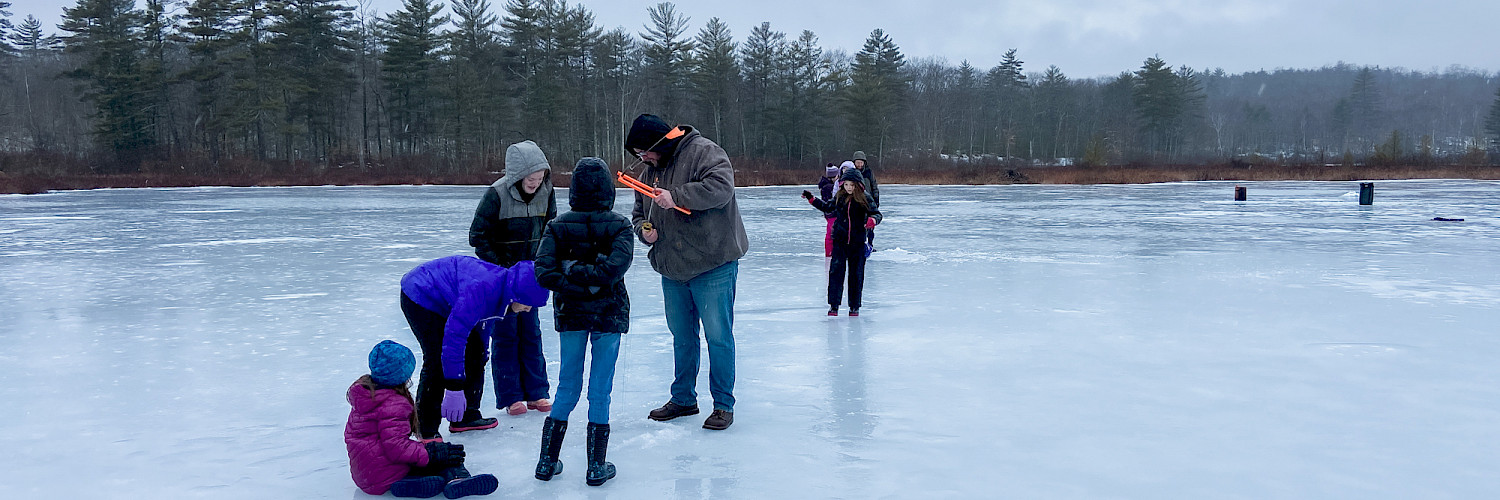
(598,441)
(552,438)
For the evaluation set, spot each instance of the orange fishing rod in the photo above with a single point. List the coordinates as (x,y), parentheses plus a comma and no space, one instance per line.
(642,188)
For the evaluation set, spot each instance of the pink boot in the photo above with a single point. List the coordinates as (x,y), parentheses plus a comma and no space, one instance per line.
(543,404)
(517,408)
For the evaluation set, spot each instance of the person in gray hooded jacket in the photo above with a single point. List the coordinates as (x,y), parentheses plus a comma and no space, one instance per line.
(507,229)
(697,254)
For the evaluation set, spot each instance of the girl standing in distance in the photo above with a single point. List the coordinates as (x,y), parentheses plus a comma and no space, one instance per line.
(854,213)
(583,259)
(382,454)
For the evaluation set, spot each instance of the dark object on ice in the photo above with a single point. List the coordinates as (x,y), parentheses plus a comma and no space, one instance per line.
(473,424)
(596,445)
(719,420)
(1445,219)
(1366,193)
(1239,193)
(482,484)
(672,410)
(552,439)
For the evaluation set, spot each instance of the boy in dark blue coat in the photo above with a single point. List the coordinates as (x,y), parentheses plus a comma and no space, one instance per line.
(583,258)
(447,303)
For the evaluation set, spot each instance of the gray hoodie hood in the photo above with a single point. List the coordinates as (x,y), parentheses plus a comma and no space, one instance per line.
(522,159)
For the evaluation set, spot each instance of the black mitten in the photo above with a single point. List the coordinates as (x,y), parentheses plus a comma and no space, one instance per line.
(444,454)
(806,194)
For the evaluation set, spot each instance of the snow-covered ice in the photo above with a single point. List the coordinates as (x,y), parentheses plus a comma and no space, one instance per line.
(1138,341)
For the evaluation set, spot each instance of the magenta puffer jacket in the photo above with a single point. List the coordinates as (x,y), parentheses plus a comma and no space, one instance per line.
(378,436)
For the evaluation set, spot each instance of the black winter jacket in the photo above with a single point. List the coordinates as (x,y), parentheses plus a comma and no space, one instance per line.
(584,255)
(848,219)
(507,227)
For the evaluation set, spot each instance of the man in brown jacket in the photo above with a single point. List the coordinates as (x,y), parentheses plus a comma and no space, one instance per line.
(697,254)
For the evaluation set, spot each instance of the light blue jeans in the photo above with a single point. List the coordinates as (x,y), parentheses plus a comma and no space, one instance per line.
(707,298)
(601,373)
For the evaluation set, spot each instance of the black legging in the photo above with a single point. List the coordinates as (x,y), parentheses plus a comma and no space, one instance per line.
(851,257)
(428,327)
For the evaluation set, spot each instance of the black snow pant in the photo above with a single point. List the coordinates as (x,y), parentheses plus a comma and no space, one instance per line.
(428,327)
(850,259)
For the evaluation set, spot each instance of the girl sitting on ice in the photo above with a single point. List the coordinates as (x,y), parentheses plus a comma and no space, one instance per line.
(382,421)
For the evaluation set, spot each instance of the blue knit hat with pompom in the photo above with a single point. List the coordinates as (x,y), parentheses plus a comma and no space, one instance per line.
(391,364)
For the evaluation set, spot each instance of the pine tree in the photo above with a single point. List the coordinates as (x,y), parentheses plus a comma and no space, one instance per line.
(157,28)
(474,97)
(763,55)
(666,49)
(805,114)
(877,93)
(208,32)
(1005,87)
(966,85)
(408,70)
(614,63)
(1158,102)
(30,41)
(5,30)
(1492,123)
(1364,106)
(34,48)
(715,73)
(558,99)
(1053,97)
(105,37)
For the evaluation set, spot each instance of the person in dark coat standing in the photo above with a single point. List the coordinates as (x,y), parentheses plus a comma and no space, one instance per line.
(507,229)
(826,186)
(583,259)
(855,213)
(873,188)
(448,303)
(698,256)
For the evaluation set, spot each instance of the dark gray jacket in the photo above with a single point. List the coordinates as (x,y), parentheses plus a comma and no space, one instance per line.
(699,175)
(507,228)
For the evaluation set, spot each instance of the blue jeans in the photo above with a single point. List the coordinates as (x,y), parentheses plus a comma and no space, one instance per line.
(517,364)
(601,373)
(707,298)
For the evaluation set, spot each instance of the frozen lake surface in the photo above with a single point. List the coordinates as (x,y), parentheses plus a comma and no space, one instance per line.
(1029,341)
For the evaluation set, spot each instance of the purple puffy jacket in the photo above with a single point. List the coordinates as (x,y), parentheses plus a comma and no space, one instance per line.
(467,291)
(378,436)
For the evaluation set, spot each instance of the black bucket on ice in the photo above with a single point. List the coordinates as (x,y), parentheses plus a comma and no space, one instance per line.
(1366,193)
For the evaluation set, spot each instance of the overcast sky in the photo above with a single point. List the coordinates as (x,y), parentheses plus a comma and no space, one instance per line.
(1090,38)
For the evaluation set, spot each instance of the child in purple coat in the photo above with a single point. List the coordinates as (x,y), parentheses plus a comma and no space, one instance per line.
(449,302)
(382,454)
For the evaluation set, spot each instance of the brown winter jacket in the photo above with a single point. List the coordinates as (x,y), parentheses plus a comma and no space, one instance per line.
(699,175)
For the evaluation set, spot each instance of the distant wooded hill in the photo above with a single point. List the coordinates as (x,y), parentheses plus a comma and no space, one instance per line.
(221,86)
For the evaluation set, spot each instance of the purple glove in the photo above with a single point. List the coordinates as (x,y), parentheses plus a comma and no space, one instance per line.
(454,404)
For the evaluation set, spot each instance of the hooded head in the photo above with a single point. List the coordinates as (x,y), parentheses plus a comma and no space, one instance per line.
(647,134)
(593,189)
(851,174)
(521,286)
(391,364)
(860,155)
(522,159)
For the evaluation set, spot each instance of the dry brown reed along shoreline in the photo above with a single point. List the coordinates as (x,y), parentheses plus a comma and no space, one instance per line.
(32,182)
